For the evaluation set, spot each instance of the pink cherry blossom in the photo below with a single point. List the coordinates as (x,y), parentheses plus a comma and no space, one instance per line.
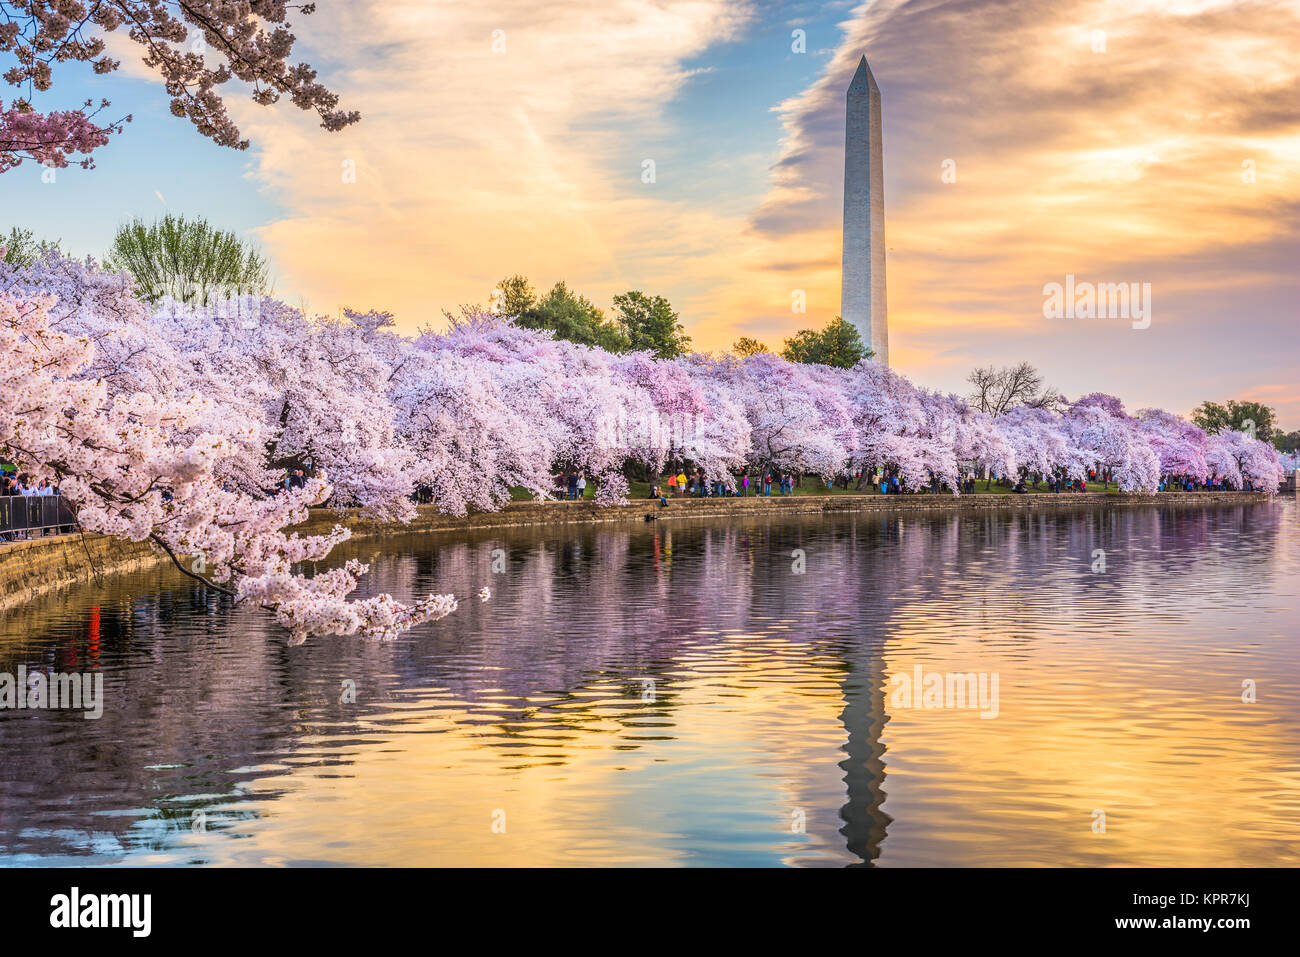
(174,424)
(136,467)
(1179,444)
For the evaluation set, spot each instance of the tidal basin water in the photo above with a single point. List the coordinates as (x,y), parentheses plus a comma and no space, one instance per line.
(680,694)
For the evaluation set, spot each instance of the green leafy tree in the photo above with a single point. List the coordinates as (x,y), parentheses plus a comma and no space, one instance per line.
(1287,441)
(568,315)
(651,323)
(838,344)
(516,296)
(1213,417)
(22,248)
(189,260)
(745,346)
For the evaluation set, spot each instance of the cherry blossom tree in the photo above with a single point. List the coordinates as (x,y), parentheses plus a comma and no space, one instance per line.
(1262,465)
(137,350)
(1040,444)
(979,441)
(1238,459)
(1110,440)
(718,440)
(938,437)
(133,467)
(887,420)
(457,421)
(1221,458)
(327,404)
(787,410)
(538,379)
(51,139)
(583,408)
(672,404)
(196,47)
(1179,444)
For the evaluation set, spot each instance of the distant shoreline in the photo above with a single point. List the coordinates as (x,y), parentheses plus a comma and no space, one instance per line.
(33,568)
(587,512)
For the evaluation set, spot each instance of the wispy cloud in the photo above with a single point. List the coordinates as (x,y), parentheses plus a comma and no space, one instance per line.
(496,137)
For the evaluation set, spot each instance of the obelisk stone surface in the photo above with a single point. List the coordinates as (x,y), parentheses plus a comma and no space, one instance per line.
(862,290)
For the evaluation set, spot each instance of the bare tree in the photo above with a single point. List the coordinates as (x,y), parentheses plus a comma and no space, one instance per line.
(1048,399)
(998,389)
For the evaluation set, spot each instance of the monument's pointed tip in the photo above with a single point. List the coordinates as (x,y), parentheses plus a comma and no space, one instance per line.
(863,77)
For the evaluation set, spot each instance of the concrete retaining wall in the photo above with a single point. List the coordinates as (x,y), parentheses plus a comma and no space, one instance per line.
(42,565)
(559,514)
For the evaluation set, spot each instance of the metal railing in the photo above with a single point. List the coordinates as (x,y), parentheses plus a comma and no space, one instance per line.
(32,515)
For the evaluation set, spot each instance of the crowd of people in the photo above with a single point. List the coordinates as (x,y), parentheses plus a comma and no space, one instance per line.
(13,524)
(693,484)
(1189,483)
(17,485)
(1054,483)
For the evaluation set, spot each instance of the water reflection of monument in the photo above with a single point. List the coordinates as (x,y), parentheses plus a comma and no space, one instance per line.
(864,717)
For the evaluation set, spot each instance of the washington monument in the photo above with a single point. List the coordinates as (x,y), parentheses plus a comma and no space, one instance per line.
(862,277)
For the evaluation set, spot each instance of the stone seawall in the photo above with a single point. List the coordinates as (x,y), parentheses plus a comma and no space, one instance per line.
(42,565)
(558,514)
